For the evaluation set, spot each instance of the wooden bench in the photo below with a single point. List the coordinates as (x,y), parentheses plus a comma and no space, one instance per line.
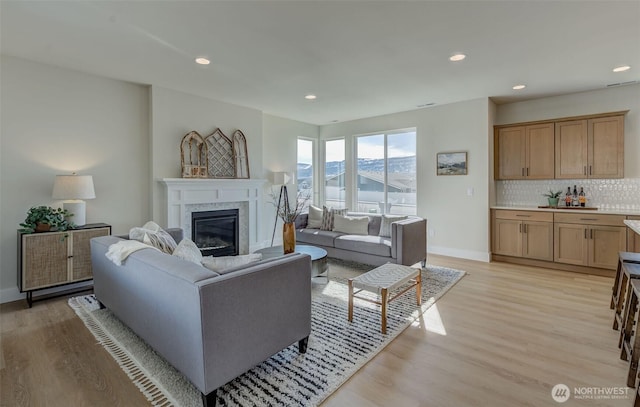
(382,281)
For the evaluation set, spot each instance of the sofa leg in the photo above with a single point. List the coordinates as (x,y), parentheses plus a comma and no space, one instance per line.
(101,305)
(209,400)
(302,345)
(423,263)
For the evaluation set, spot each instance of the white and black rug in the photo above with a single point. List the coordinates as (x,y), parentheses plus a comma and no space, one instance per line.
(337,348)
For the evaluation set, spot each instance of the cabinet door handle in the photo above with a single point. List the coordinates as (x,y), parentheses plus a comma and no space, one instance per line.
(523,216)
(592,219)
(525,228)
(520,228)
(585,233)
(527,171)
(590,169)
(591,234)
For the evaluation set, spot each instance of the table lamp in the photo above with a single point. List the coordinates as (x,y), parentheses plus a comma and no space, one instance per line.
(72,189)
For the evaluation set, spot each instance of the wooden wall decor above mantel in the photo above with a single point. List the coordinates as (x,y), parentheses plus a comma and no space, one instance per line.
(214,156)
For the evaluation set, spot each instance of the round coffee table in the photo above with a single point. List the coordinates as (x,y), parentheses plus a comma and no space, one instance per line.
(319,266)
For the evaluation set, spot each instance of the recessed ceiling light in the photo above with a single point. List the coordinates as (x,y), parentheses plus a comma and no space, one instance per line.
(518,87)
(457,57)
(310,97)
(202,61)
(621,68)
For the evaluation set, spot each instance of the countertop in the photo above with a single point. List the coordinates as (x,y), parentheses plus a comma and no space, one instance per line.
(601,211)
(633,225)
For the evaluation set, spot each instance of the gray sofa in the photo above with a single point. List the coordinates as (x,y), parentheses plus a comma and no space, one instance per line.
(407,244)
(211,327)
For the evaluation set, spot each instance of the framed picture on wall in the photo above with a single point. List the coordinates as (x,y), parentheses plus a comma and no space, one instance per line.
(452,163)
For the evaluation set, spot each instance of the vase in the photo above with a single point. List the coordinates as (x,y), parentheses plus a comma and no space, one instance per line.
(553,202)
(289,237)
(42,227)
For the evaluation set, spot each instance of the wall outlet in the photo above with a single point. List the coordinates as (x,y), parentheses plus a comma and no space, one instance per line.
(470,191)
(432,233)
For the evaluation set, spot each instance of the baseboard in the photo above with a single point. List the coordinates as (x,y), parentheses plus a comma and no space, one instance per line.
(462,254)
(13,294)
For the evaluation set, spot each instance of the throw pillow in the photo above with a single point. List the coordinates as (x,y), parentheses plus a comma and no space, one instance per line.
(314,221)
(353,225)
(385,224)
(187,250)
(152,234)
(221,263)
(327,217)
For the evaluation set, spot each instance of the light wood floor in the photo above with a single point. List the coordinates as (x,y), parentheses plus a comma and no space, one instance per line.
(503,336)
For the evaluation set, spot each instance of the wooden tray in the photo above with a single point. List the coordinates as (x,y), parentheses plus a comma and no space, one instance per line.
(571,208)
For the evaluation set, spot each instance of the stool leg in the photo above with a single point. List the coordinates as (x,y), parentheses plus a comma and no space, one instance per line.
(419,289)
(350,300)
(627,327)
(616,285)
(635,348)
(623,291)
(384,295)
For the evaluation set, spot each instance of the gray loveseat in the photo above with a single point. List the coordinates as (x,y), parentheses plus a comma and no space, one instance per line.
(407,244)
(211,327)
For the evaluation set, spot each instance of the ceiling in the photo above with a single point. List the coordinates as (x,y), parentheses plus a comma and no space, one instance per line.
(360,58)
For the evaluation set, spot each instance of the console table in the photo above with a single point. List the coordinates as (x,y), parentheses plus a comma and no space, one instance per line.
(51,259)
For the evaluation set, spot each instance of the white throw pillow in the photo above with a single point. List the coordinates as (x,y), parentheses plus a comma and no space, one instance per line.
(385,224)
(314,221)
(353,225)
(187,250)
(222,263)
(152,234)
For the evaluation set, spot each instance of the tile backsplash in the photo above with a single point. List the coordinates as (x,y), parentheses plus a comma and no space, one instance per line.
(607,194)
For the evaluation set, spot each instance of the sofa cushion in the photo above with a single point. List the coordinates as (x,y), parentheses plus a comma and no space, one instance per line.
(376,245)
(152,234)
(385,225)
(222,263)
(187,250)
(317,237)
(314,220)
(353,225)
(327,217)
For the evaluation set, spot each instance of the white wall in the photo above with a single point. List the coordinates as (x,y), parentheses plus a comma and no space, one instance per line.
(279,154)
(55,121)
(174,114)
(460,222)
(584,103)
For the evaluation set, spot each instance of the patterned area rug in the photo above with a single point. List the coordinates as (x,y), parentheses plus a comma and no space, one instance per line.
(337,348)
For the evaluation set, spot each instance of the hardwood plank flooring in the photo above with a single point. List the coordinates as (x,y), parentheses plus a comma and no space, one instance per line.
(503,336)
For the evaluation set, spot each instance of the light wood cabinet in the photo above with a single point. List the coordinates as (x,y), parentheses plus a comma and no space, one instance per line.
(55,258)
(525,234)
(525,152)
(589,240)
(590,148)
(633,239)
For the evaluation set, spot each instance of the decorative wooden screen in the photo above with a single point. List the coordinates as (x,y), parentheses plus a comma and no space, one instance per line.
(219,155)
(193,152)
(240,156)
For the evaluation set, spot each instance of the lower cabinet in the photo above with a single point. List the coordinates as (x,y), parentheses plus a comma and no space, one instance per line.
(589,240)
(527,234)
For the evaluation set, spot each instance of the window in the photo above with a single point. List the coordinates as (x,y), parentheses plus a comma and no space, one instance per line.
(304,176)
(334,168)
(386,173)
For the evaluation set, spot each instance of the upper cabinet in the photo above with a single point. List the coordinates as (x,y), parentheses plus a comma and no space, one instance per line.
(524,152)
(571,148)
(590,148)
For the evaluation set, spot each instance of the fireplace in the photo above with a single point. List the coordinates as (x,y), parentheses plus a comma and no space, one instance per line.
(216,233)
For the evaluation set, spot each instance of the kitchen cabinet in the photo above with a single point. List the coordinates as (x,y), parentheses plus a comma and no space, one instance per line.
(590,148)
(526,234)
(633,239)
(524,152)
(591,240)
(51,259)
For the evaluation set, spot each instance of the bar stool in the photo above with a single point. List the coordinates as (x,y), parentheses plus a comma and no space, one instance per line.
(629,340)
(621,283)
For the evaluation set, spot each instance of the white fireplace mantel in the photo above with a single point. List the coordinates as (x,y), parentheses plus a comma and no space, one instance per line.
(186,195)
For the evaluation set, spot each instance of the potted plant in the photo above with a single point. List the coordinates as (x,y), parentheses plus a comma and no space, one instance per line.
(45,218)
(553,198)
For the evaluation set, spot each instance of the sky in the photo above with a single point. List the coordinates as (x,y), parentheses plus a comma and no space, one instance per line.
(398,144)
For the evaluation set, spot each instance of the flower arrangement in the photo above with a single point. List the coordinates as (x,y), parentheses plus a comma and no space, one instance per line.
(44,218)
(285,210)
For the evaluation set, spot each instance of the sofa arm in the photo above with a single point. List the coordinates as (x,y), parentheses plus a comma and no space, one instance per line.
(301,221)
(251,314)
(409,240)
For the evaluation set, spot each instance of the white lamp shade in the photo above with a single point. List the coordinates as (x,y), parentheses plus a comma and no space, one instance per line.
(73,187)
(281,178)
